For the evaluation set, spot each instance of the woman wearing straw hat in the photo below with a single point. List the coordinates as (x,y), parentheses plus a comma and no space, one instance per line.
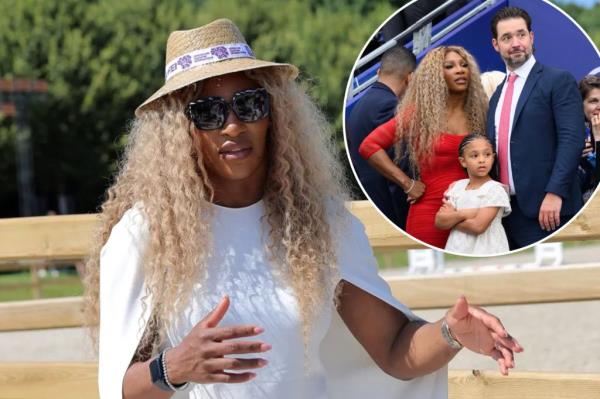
(225,243)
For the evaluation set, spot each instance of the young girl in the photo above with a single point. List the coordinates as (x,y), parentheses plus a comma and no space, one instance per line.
(473,208)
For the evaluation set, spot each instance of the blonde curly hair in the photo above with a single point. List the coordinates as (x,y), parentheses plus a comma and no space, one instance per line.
(421,113)
(163,170)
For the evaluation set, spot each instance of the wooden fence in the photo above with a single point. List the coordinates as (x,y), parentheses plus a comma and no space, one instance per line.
(68,237)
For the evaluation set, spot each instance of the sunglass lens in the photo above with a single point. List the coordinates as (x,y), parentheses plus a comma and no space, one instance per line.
(251,105)
(208,114)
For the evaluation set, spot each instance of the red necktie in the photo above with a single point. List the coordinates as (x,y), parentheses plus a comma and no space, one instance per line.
(504,128)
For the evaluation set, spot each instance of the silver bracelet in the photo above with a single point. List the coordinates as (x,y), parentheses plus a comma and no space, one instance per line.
(166,375)
(412,185)
(448,337)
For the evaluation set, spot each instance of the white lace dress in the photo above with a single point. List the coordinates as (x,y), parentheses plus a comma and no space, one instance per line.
(338,367)
(493,240)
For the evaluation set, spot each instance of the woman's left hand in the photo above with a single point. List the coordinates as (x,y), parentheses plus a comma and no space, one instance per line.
(482,332)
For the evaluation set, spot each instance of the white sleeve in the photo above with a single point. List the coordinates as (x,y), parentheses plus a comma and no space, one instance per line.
(451,193)
(121,291)
(496,195)
(351,373)
(358,266)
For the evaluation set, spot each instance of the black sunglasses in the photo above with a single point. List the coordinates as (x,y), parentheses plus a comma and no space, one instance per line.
(210,113)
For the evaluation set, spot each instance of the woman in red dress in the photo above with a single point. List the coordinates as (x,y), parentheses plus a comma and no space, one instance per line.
(444,102)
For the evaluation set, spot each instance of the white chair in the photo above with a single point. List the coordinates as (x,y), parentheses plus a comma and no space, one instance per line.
(548,254)
(425,261)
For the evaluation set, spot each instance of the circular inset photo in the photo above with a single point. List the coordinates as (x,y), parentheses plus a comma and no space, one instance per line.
(473,126)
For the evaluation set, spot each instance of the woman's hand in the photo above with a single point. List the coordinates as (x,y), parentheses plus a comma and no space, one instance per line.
(483,333)
(200,357)
(414,191)
(381,162)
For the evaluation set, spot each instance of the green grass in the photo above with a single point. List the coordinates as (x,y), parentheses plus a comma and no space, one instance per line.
(66,288)
(391,260)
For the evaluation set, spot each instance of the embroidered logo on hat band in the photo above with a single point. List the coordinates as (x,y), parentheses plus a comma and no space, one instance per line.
(207,56)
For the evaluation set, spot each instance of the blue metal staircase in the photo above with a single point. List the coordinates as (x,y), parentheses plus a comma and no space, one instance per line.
(558,41)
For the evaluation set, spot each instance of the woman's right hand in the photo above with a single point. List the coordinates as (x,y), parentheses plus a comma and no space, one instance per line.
(200,357)
(415,192)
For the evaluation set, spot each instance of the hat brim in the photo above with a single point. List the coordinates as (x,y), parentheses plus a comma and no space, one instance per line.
(203,72)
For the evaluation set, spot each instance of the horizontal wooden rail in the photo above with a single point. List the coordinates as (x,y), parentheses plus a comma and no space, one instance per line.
(545,285)
(78,380)
(69,236)
(48,380)
(521,385)
(41,314)
(47,237)
(383,236)
(542,285)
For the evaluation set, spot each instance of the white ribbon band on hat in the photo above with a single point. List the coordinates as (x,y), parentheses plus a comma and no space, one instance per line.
(207,56)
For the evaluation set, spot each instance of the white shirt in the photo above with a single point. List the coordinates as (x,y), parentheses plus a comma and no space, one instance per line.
(522,73)
(339,367)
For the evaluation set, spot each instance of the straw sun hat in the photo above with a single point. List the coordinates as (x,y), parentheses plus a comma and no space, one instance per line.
(210,50)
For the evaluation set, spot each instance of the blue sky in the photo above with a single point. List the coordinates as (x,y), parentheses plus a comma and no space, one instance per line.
(584,3)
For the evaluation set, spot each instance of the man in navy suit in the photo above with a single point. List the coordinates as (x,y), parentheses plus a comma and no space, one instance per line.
(536,121)
(375,107)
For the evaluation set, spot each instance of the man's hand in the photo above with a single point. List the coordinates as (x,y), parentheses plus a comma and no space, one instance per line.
(588,149)
(549,217)
(595,122)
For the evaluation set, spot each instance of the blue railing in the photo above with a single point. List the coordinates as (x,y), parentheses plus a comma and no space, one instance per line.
(558,41)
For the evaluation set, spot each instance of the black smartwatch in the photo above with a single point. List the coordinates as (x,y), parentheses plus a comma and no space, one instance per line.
(158,374)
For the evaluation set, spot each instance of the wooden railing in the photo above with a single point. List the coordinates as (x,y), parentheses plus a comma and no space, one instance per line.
(69,237)
(78,381)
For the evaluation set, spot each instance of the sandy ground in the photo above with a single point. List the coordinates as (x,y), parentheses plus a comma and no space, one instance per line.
(560,337)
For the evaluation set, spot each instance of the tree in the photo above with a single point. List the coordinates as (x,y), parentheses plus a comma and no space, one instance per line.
(100,59)
(103,58)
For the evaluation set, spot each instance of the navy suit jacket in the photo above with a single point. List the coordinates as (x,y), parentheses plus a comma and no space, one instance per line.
(548,135)
(377,106)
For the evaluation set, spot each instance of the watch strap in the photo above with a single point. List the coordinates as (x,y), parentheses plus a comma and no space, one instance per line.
(157,373)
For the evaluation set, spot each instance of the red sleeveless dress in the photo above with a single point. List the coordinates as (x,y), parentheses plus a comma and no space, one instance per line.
(437,175)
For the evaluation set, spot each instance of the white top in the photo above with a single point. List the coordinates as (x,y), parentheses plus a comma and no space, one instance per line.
(493,240)
(522,73)
(338,366)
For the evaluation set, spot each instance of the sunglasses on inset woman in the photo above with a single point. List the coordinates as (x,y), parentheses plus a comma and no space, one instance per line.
(210,113)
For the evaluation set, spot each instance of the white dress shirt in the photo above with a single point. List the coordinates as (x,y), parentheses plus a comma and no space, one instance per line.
(522,73)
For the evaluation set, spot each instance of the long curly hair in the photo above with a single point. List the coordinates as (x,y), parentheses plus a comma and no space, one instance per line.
(163,170)
(421,115)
